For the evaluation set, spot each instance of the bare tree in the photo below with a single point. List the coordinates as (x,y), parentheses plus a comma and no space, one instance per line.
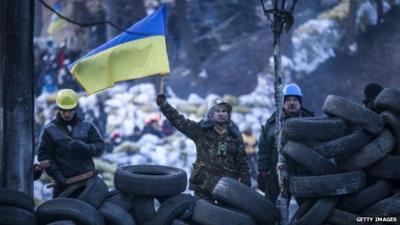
(16,94)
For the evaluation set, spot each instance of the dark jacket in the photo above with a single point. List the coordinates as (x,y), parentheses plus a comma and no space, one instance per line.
(218,155)
(65,163)
(268,152)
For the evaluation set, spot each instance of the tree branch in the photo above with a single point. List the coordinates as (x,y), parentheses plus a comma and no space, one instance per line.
(81,24)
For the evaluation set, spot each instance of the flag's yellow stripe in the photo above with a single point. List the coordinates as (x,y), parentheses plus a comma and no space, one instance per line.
(131,60)
(56,25)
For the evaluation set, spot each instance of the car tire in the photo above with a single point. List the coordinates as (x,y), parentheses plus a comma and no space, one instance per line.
(309,158)
(9,197)
(92,191)
(68,209)
(206,213)
(171,208)
(357,202)
(314,212)
(369,154)
(353,112)
(327,185)
(344,145)
(115,215)
(240,196)
(11,215)
(150,180)
(388,99)
(314,128)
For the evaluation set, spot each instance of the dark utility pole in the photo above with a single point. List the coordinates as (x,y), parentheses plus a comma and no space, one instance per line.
(280,17)
(16,94)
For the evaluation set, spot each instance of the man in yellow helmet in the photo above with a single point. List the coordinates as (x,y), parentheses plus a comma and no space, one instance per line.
(68,143)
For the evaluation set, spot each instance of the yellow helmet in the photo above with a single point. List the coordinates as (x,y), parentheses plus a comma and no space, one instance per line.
(67,99)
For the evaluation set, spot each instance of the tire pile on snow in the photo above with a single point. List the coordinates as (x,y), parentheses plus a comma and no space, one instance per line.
(353,158)
(133,202)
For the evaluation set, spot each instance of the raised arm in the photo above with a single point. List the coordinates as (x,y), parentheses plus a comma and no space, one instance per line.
(186,126)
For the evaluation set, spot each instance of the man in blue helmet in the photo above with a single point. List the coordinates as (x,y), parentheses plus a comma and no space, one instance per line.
(268,152)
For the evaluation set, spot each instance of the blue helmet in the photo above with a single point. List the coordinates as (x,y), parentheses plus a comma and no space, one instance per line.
(292,90)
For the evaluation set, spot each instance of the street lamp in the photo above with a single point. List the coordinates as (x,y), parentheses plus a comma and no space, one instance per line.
(280,17)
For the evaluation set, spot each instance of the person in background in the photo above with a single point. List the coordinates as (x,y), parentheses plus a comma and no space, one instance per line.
(152,126)
(113,141)
(49,87)
(250,142)
(137,134)
(268,153)
(167,128)
(370,92)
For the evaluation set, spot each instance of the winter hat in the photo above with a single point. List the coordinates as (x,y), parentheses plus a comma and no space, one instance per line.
(371,91)
(215,102)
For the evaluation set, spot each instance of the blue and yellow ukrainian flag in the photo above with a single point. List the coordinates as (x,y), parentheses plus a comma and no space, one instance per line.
(56,22)
(137,53)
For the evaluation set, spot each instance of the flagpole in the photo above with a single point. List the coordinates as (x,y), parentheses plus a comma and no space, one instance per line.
(161,85)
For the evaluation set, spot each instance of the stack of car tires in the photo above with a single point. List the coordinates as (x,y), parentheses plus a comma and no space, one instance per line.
(237,204)
(351,158)
(80,203)
(152,195)
(133,203)
(16,208)
(148,183)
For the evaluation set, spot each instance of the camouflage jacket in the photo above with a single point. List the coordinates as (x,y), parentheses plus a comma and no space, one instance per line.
(268,152)
(218,155)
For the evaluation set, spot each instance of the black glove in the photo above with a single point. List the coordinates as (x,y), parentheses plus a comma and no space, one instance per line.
(77,145)
(61,182)
(37,172)
(161,100)
(262,179)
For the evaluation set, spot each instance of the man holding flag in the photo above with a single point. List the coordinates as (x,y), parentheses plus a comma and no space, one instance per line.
(219,146)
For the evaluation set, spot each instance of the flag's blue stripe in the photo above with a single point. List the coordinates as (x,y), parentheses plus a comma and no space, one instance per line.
(154,24)
(58,7)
